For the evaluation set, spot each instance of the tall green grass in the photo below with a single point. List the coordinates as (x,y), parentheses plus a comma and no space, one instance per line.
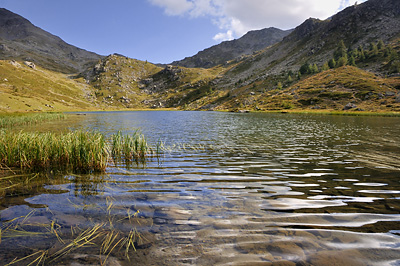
(11,120)
(130,147)
(74,151)
(78,151)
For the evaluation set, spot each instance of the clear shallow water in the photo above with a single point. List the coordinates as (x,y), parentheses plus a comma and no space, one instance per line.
(237,189)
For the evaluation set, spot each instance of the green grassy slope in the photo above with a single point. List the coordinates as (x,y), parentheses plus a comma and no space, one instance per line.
(23,88)
(336,88)
(331,90)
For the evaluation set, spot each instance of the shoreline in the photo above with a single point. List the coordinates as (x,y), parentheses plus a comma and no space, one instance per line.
(283,111)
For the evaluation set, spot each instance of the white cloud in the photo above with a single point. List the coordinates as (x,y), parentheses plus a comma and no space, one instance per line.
(236,17)
(227,36)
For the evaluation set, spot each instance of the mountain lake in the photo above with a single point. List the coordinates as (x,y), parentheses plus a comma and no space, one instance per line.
(226,189)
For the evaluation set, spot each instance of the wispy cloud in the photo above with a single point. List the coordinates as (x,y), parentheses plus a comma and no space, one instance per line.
(236,17)
(174,7)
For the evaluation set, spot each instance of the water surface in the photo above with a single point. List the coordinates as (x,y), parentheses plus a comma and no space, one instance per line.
(233,189)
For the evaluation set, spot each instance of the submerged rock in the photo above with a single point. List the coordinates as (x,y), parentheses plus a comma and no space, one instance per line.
(87,259)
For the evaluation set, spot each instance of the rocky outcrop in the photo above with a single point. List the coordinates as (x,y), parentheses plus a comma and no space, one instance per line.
(349,106)
(30,64)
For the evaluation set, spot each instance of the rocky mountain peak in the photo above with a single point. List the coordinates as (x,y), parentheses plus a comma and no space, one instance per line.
(304,30)
(229,50)
(21,40)
(13,26)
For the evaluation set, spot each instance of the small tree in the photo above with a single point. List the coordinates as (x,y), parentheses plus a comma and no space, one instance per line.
(361,53)
(380,45)
(305,68)
(352,61)
(314,69)
(325,66)
(332,63)
(390,53)
(373,49)
(341,50)
(342,61)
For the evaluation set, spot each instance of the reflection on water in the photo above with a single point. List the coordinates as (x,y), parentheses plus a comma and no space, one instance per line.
(238,189)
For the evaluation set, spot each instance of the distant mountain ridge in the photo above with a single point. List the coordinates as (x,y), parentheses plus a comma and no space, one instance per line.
(249,43)
(21,40)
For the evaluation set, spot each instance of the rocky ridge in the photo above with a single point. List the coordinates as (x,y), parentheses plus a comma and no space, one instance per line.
(251,42)
(21,40)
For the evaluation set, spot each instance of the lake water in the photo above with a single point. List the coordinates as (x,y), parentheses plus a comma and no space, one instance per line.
(229,189)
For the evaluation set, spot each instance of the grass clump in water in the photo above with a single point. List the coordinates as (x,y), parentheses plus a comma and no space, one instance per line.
(130,147)
(74,151)
(11,120)
(78,151)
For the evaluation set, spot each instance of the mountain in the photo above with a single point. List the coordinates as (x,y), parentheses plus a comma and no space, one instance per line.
(21,40)
(315,40)
(251,42)
(370,37)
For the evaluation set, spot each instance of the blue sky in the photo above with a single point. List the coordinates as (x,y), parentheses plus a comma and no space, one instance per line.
(162,31)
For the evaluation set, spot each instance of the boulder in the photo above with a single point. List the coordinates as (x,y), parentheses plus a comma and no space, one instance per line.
(397,100)
(349,106)
(124,99)
(15,63)
(390,94)
(30,64)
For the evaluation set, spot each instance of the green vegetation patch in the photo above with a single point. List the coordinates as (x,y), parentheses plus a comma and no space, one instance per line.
(75,151)
(26,89)
(19,119)
(78,151)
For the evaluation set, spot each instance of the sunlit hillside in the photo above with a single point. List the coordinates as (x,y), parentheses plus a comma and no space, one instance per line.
(32,88)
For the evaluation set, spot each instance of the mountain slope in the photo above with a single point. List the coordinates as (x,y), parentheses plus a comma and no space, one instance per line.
(24,88)
(314,41)
(344,88)
(21,40)
(219,54)
(123,82)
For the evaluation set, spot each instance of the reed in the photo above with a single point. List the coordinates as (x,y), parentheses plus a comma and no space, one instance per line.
(19,119)
(130,147)
(77,152)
